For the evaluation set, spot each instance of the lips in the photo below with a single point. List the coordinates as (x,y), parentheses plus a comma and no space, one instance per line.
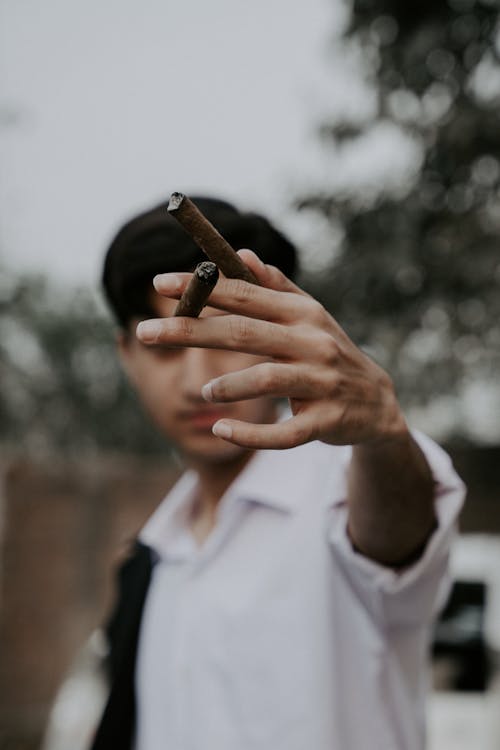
(203,419)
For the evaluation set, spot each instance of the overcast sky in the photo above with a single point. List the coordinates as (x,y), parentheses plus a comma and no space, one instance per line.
(109,106)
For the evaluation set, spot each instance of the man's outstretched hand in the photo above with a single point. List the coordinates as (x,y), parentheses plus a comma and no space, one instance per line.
(336,393)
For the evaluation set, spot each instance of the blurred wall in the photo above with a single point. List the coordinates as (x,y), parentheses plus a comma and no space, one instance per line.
(63,529)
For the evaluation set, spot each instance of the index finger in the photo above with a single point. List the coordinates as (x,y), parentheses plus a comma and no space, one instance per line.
(240,297)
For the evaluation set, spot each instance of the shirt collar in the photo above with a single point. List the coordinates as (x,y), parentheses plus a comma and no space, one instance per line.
(277,479)
(162,527)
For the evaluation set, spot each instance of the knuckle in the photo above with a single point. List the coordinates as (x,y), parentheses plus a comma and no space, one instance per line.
(184,327)
(240,329)
(242,291)
(300,434)
(267,377)
(275,271)
(386,383)
(333,384)
(325,346)
(275,275)
(316,312)
(330,350)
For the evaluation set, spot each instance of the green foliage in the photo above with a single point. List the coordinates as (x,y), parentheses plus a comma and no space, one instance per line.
(417,274)
(62,388)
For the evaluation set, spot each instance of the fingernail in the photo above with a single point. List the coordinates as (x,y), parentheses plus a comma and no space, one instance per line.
(222,430)
(207,392)
(167,281)
(148,330)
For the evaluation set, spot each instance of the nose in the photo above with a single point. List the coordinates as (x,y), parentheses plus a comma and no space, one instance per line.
(198,367)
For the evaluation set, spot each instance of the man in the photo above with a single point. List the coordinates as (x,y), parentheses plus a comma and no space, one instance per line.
(280,597)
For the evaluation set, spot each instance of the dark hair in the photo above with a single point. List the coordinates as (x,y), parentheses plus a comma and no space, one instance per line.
(153,242)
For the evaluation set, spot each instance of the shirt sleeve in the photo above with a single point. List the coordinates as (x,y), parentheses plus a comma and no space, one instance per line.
(413,595)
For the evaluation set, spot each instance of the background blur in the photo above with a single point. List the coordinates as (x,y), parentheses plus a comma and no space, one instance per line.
(370,132)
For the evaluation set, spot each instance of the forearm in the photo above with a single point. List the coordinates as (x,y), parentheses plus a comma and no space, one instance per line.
(391,500)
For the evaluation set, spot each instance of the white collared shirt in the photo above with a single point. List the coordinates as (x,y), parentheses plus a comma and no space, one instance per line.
(275,634)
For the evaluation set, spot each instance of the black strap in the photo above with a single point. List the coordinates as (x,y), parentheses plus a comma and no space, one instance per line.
(117,726)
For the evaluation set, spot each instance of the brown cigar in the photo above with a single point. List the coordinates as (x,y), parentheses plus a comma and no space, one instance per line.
(198,290)
(208,238)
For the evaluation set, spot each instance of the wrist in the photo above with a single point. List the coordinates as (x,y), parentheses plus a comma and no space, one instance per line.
(391,426)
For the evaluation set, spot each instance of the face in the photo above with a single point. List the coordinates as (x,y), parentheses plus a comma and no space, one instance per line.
(169,381)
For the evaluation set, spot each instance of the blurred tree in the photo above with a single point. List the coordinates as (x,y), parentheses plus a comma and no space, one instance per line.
(416,274)
(62,389)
